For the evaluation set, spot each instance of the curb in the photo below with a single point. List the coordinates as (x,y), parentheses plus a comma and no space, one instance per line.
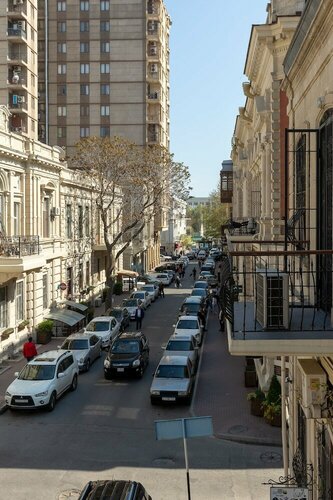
(238,438)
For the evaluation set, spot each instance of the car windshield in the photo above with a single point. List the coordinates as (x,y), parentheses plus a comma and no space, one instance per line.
(116,313)
(98,326)
(138,295)
(199,292)
(125,347)
(149,288)
(130,303)
(179,345)
(187,324)
(200,285)
(191,308)
(37,372)
(171,371)
(75,344)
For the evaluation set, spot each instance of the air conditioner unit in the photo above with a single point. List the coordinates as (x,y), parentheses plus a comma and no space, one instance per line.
(153,68)
(153,51)
(17,69)
(20,98)
(21,25)
(271,299)
(55,211)
(313,386)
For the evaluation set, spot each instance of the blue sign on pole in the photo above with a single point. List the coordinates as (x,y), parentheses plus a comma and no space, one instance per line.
(183,428)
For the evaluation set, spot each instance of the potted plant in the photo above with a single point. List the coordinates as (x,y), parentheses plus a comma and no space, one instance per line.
(23,324)
(272,413)
(5,334)
(44,331)
(256,399)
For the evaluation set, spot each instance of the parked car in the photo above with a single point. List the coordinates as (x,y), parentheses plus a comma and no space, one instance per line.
(201,254)
(201,284)
(43,380)
(173,380)
(86,347)
(114,489)
(152,291)
(210,278)
(122,316)
(199,292)
(191,306)
(145,280)
(185,260)
(162,277)
(183,345)
(207,267)
(189,324)
(143,296)
(165,257)
(106,327)
(131,306)
(128,355)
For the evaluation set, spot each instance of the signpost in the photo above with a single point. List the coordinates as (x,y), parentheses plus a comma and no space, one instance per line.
(289,493)
(184,428)
(62,286)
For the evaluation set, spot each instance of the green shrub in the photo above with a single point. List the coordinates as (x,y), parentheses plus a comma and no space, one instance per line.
(23,324)
(118,288)
(257,395)
(274,392)
(45,326)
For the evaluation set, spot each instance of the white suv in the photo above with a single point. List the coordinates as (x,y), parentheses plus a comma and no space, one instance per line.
(43,380)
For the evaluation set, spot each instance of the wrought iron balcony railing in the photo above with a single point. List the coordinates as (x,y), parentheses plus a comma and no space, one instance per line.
(19,246)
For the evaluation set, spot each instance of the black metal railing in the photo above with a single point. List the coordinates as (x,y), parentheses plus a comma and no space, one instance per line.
(19,246)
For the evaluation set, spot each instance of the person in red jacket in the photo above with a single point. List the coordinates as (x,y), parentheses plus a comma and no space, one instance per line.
(29,350)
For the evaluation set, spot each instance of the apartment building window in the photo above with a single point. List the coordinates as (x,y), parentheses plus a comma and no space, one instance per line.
(19,304)
(17,218)
(84,26)
(69,232)
(62,111)
(84,5)
(105,5)
(61,6)
(105,25)
(62,69)
(80,220)
(105,89)
(84,110)
(62,89)
(62,47)
(105,47)
(87,221)
(45,291)
(105,131)
(61,132)
(105,68)
(105,110)
(46,217)
(84,69)
(84,132)
(3,307)
(62,27)
(84,89)
(84,47)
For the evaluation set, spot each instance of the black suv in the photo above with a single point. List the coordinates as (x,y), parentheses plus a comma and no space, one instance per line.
(114,490)
(128,355)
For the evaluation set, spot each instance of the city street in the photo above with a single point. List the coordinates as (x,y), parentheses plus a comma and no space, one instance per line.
(106,430)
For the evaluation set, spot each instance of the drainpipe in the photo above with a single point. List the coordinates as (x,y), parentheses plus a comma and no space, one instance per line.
(46,71)
(283,417)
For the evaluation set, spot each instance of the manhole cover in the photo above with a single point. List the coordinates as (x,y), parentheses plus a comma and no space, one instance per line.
(164,462)
(237,429)
(270,457)
(73,494)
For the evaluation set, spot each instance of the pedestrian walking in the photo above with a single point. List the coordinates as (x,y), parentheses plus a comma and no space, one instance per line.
(200,263)
(194,273)
(182,274)
(221,320)
(209,301)
(29,349)
(202,319)
(177,281)
(214,303)
(161,290)
(139,315)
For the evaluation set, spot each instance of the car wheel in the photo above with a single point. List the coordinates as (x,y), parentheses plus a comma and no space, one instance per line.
(52,402)
(74,383)
(88,365)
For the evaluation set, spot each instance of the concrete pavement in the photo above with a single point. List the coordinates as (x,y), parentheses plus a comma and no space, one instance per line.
(220,390)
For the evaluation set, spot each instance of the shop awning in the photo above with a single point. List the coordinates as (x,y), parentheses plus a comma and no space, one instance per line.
(75,305)
(65,316)
(127,272)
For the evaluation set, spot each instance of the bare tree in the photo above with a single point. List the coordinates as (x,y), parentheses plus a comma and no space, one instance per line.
(131,185)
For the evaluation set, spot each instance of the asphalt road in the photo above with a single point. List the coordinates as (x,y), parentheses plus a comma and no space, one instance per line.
(106,430)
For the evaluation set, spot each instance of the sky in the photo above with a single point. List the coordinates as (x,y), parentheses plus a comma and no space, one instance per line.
(208,46)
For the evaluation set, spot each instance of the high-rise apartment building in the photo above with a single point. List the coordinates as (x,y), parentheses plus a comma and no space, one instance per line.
(103,71)
(18,65)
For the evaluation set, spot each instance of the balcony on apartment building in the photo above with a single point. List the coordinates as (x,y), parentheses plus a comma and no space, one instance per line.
(17,55)
(19,254)
(17,78)
(153,135)
(16,31)
(153,51)
(153,29)
(277,298)
(16,8)
(153,7)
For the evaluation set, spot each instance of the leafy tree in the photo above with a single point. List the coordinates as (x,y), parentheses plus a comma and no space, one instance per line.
(131,186)
(186,241)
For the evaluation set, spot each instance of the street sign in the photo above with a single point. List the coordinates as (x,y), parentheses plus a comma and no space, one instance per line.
(183,427)
(62,286)
(289,493)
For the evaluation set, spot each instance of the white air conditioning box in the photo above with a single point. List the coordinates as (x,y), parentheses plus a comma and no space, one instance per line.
(55,211)
(20,98)
(313,380)
(271,299)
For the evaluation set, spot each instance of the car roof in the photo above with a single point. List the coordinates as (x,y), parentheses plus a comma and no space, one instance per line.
(192,300)
(130,336)
(183,336)
(83,335)
(49,357)
(102,318)
(188,317)
(174,360)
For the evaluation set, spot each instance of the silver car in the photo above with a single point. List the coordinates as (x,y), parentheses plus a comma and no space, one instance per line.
(143,296)
(131,306)
(183,345)
(152,290)
(173,380)
(86,348)
(106,327)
